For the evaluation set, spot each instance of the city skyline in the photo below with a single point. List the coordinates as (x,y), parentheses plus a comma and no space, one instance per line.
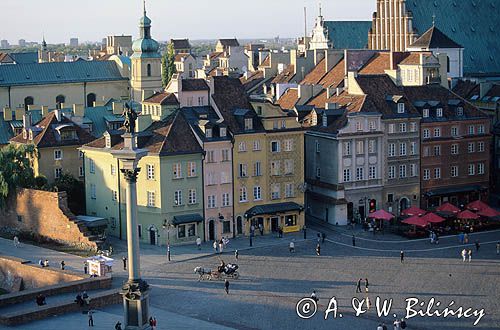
(110,21)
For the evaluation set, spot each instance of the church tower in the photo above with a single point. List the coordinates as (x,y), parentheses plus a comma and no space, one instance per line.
(319,39)
(43,53)
(146,62)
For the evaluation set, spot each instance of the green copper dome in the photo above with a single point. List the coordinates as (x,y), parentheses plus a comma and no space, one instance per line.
(144,21)
(145,46)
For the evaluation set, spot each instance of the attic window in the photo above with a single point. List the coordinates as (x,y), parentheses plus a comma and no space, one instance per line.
(401,108)
(325,120)
(439,112)
(248,124)
(425,113)
(460,111)
(222,132)
(108,141)
(208,133)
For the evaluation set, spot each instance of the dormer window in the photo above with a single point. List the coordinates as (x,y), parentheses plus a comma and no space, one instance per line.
(248,124)
(359,127)
(108,141)
(439,112)
(425,113)
(401,108)
(208,133)
(223,132)
(25,134)
(460,111)
(325,120)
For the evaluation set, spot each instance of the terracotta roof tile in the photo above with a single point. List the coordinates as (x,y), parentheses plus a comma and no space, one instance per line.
(377,64)
(266,62)
(335,76)
(163,98)
(289,99)
(285,76)
(316,74)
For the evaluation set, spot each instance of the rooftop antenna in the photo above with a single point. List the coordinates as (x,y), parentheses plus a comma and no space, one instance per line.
(305,24)
(320,8)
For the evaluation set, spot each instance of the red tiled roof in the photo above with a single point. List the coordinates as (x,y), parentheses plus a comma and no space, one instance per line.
(163,98)
(266,62)
(466,88)
(335,76)
(285,76)
(377,64)
(316,74)
(289,99)
(179,57)
(412,59)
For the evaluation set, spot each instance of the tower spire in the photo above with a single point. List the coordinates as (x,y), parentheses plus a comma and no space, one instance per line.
(144,6)
(320,8)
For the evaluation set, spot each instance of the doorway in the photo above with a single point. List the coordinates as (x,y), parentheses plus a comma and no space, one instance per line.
(211,230)
(404,203)
(153,237)
(362,214)
(239,225)
(275,224)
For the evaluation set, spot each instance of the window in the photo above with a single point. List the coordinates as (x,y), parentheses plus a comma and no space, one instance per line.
(427,151)
(81,172)
(58,154)
(401,108)
(360,147)
(359,174)
(178,197)
(208,133)
(425,113)
(288,145)
(177,170)
(437,150)
(91,98)
(426,133)
(283,124)
(439,112)
(454,171)
(222,132)
(148,69)
(151,198)
(480,168)
(257,193)
(372,172)
(139,230)
(181,231)
(192,196)
(413,170)
(211,179)
(27,102)
(437,132)
(210,157)
(413,127)
(80,154)
(480,129)
(60,100)
(257,169)
(472,169)
(275,146)
(454,131)
(391,128)
(275,124)
(150,171)
(402,149)
(225,155)
(91,166)
(243,194)
(57,173)
(347,148)
(359,126)
(256,145)
(392,149)
(242,146)
(112,170)
(226,226)
(275,167)
(390,198)
(480,146)
(454,149)
(471,130)
(201,99)
(470,147)
(347,175)
(248,124)
(275,191)
(402,127)
(402,171)
(371,125)
(225,199)
(318,172)
(372,146)
(211,203)
(413,148)
(437,173)
(392,172)
(427,174)
(289,193)
(191,169)
(460,111)
(288,166)
(242,170)
(92,191)
(317,147)
(114,195)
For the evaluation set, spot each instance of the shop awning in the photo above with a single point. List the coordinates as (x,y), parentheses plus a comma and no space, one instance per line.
(448,208)
(432,217)
(413,211)
(273,209)
(454,190)
(381,214)
(416,221)
(187,218)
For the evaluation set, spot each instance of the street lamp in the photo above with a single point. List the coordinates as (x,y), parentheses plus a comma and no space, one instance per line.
(167,226)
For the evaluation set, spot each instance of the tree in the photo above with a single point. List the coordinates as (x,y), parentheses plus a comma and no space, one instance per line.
(75,190)
(168,65)
(16,169)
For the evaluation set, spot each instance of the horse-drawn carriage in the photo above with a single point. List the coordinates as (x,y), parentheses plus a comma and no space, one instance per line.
(222,272)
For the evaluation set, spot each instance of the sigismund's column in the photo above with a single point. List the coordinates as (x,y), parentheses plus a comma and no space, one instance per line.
(135,291)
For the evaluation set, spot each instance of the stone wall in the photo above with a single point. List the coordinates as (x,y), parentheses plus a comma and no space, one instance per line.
(44,215)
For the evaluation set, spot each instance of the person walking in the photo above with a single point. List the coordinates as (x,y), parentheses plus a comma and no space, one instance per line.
(477,245)
(466,238)
(292,247)
(470,254)
(198,242)
(85,267)
(62,264)
(226,286)
(118,326)
(304,230)
(323,236)
(124,259)
(236,254)
(366,285)
(16,241)
(318,249)
(353,240)
(464,255)
(358,286)
(221,245)
(91,318)
(261,229)
(314,297)
(397,324)
(402,255)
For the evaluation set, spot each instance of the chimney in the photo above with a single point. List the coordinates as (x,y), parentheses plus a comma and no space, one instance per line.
(329,92)
(45,110)
(7,114)
(58,114)
(27,120)
(78,110)
(19,113)
(117,108)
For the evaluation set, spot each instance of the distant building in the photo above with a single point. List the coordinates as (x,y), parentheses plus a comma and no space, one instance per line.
(185,64)
(22,43)
(4,44)
(181,46)
(73,42)
(119,45)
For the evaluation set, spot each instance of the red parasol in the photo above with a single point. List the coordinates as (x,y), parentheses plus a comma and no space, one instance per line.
(489,212)
(477,206)
(467,215)
(448,208)
(381,214)
(416,221)
(413,211)
(432,217)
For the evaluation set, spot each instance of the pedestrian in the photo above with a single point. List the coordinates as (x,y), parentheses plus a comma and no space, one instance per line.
(124,259)
(151,322)
(466,238)
(62,264)
(436,238)
(318,249)
(397,324)
(384,327)
(236,254)
(323,236)
(16,241)
(154,323)
(319,237)
(353,240)
(252,229)
(91,318)
(380,327)
(261,229)
(358,286)
(110,250)
(118,326)
(46,263)
(498,248)
(403,323)
(470,254)
(215,246)
(221,245)
(464,255)
(226,286)
(477,245)
(198,242)
(304,230)
(402,255)
(85,267)
(313,296)
(461,238)
(366,285)
(292,247)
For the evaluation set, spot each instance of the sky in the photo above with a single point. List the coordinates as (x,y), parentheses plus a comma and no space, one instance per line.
(92,20)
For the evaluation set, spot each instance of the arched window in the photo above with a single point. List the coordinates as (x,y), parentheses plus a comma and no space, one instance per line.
(149,70)
(91,99)
(60,100)
(28,101)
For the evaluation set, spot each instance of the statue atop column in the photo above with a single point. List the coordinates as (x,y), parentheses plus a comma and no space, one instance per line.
(130,119)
